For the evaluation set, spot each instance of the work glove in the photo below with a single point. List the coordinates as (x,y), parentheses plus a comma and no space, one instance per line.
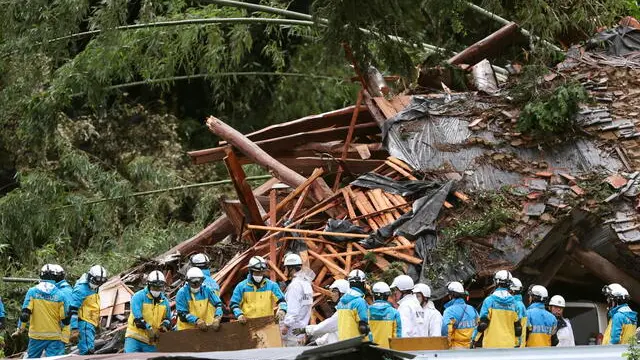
(75,334)
(299,331)
(310,330)
(284,330)
(215,325)
(153,335)
(242,319)
(17,333)
(363,327)
(280,314)
(202,325)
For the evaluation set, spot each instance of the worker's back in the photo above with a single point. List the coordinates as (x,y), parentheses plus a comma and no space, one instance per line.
(541,325)
(622,325)
(501,310)
(384,322)
(47,305)
(352,309)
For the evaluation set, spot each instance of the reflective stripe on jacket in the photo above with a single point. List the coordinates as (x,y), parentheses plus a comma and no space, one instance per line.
(204,304)
(541,325)
(501,310)
(458,322)
(48,308)
(622,325)
(352,308)
(384,322)
(256,301)
(154,312)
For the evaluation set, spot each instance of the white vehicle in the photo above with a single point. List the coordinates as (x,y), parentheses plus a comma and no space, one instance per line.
(588,319)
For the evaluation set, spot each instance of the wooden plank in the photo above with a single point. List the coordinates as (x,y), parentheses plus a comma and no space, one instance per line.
(381,263)
(462,196)
(365,207)
(299,189)
(488,47)
(400,163)
(347,141)
(376,250)
(375,196)
(306,165)
(321,290)
(299,203)
(304,231)
(402,171)
(335,269)
(347,265)
(419,343)
(273,218)
(321,275)
(276,271)
(334,251)
(388,205)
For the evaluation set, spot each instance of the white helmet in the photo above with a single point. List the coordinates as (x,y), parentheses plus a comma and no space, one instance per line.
(456,288)
(502,278)
(402,283)
(97,275)
(195,273)
(357,275)
(516,285)
(48,272)
(539,291)
(616,291)
(423,289)
(257,263)
(381,288)
(292,260)
(200,260)
(341,284)
(58,272)
(557,300)
(156,278)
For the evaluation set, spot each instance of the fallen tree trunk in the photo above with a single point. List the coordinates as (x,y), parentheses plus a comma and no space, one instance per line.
(319,190)
(486,47)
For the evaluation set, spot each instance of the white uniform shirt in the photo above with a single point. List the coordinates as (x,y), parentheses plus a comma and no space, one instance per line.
(565,335)
(326,332)
(432,320)
(299,297)
(412,316)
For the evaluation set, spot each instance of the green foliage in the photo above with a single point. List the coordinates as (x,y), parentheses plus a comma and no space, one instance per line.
(495,214)
(552,113)
(633,352)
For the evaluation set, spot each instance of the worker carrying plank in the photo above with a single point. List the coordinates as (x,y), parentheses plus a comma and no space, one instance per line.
(326,332)
(197,304)
(384,320)
(150,314)
(255,296)
(353,311)
(500,320)
(622,320)
(411,312)
(84,308)
(202,262)
(541,324)
(459,319)
(44,309)
(299,298)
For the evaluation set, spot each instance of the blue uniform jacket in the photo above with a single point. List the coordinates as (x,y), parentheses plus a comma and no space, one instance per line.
(256,301)
(184,296)
(458,322)
(541,325)
(502,311)
(382,310)
(211,282)
(622,325)
(82,291)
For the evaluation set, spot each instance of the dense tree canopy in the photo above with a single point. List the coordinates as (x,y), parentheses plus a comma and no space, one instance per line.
(94,107)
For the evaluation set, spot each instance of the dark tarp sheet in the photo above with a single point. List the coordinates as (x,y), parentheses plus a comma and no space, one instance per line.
(620,41)
(343,226)
(407,188)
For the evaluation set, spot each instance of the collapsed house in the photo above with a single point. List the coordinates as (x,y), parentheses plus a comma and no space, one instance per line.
(440,186)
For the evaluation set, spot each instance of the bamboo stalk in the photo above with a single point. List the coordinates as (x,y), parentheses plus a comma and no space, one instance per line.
(175,188)
(303,231)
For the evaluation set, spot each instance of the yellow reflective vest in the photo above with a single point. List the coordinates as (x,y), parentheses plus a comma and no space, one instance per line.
(204,304)
(154,312)
(352,309)
(48,309)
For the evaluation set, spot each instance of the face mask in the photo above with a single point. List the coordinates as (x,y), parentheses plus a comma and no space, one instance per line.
(257,278)
(155,294)
(195,290)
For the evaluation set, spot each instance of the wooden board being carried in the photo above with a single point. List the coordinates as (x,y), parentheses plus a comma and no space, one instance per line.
(419,343)
(257,333)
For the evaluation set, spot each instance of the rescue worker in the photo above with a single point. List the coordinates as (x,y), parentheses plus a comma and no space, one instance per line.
(409,308)
(499,323)
(150,314)
(299,298)
(326,332)
(197,305)
(255,296)
(432,317)
(622,320)
(44,309)
(541,324)
(565,331)
(516,290)
(2,326)
(383,318)
(459,319)
(65,290)
(85,308)
(353,311)
(202,262)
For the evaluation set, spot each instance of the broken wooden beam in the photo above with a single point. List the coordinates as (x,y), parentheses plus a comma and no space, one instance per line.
(243,189)
(347,141)
(304,231)
(487,47)
(320,189)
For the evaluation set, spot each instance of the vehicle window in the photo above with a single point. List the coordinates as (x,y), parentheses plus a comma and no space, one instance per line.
(584,321)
